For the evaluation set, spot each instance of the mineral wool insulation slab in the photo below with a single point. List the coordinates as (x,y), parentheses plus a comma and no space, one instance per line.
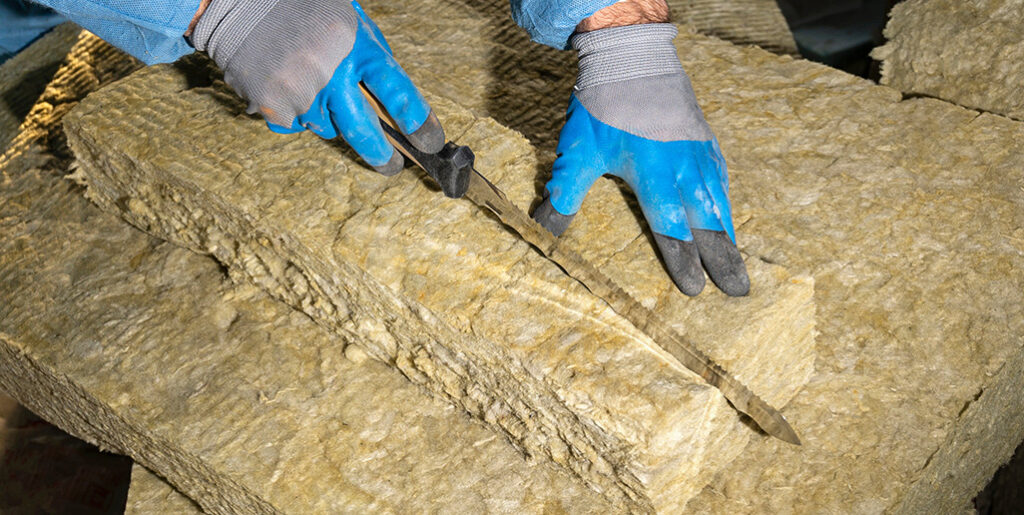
(91,336)
(910,212)
(92,66)
(444,292)
(909,216)
(970,52)
(146,349)
(150,495)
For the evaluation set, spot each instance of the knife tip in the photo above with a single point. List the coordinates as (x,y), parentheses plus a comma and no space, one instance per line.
(783,431)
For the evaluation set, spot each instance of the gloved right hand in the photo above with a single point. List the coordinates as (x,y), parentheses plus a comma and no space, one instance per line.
(300,62)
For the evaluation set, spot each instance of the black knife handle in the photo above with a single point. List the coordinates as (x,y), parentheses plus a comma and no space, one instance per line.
(450,167)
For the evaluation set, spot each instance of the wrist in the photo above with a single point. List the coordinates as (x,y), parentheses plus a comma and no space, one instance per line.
(623,53)
(226,24)
(203,4)
(626,12)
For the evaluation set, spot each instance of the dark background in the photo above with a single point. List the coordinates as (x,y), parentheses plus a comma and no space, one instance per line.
(839,33)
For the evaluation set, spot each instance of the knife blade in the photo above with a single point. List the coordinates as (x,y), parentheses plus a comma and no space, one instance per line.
(453,169)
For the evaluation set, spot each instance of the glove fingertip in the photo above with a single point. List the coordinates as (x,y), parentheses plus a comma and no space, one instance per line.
(549,218)
(429,138)
(682,262)
(395,165)
(723,262)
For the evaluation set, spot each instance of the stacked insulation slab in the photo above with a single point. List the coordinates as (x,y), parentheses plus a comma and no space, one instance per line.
(968,52)
(150,448)
(906,213)
(447,295)
(141,347)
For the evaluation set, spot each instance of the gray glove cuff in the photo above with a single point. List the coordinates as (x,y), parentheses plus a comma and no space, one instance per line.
(225,24)
(278,54)
(623,53)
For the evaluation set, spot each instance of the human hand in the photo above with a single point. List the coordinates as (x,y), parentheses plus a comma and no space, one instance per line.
(299,63)
(633,114)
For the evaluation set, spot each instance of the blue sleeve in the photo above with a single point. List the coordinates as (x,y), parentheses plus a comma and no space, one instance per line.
(151,30)
(20,24)
(552,22)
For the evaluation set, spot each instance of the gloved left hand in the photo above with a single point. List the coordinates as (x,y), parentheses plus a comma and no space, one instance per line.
(300,63)
(633,114)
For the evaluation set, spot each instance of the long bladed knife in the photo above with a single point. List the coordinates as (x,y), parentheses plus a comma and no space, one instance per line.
(453,169)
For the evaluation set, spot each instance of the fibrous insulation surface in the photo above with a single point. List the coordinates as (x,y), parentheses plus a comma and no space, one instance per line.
(248,406)
(969,52)
(907,213)
(445,293)
(150,495)
(908,216)
(95,63)
(245,404)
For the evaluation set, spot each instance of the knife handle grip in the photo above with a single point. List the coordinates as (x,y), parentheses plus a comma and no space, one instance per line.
(450,167)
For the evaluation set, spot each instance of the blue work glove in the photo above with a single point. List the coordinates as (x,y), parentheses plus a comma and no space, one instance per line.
(300,62)
(633,114)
